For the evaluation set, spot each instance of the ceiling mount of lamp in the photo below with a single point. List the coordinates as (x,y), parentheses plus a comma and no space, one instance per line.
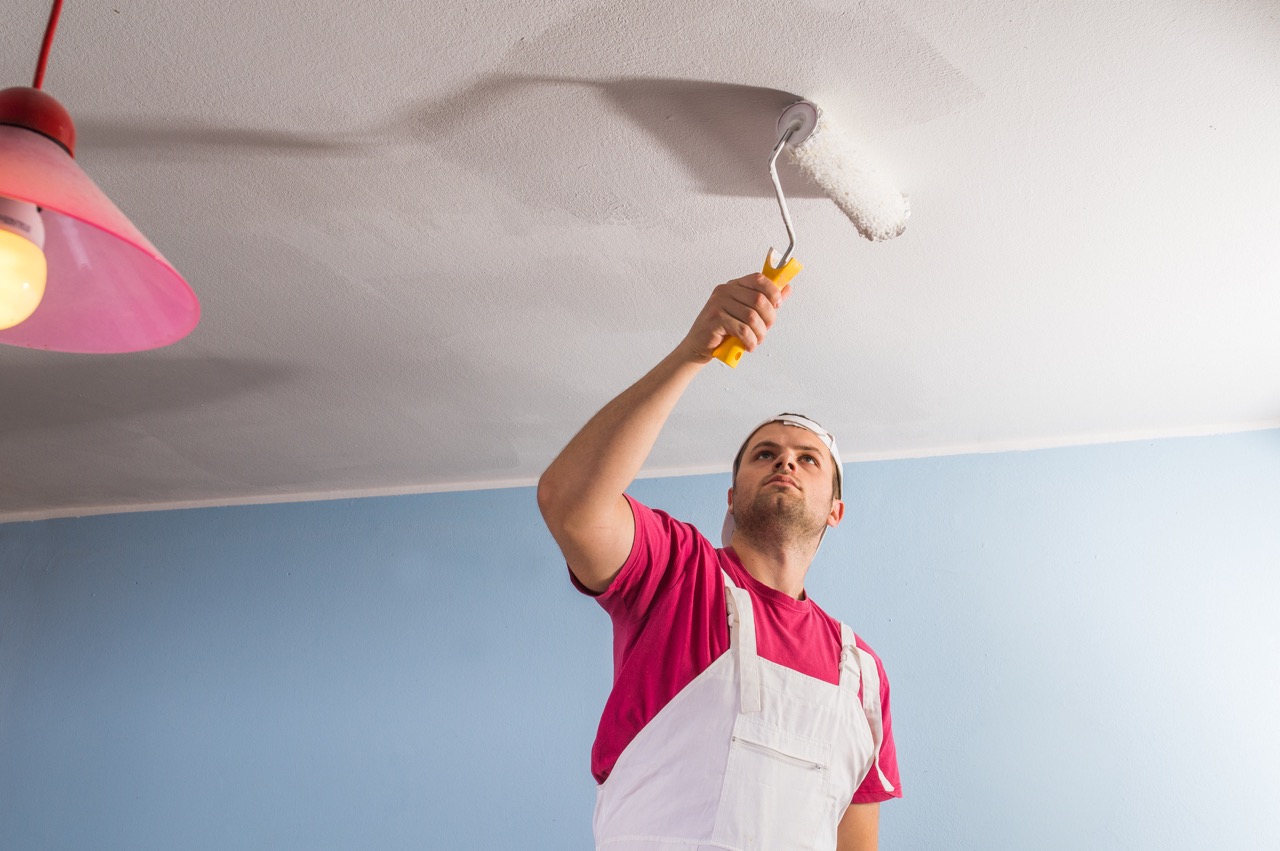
(75,274)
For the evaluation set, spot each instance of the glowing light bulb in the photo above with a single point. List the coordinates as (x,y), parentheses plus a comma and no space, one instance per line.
(22,265)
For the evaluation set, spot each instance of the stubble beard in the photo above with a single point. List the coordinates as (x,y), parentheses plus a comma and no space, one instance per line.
(771,521)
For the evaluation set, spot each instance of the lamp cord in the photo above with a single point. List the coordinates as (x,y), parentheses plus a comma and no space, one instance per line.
(38,82)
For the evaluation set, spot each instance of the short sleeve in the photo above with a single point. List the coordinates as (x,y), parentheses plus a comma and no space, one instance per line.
(872,791)
(660,552)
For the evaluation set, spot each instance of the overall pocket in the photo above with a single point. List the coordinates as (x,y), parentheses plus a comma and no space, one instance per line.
(776,792)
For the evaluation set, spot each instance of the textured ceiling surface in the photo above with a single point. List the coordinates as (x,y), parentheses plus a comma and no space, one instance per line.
(431,238)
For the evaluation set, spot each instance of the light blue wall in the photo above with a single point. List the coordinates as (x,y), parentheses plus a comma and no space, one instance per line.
(1084,646)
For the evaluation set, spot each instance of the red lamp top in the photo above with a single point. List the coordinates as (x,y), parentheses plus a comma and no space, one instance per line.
(34,110)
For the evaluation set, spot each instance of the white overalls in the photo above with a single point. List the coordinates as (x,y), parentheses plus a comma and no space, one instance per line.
(750,755)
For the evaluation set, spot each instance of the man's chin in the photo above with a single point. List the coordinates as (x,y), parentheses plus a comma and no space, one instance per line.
(773,515)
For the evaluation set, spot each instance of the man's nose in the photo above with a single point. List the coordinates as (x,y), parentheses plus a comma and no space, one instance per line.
(784,461)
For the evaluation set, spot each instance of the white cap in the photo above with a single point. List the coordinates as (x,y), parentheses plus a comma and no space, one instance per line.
(828,440)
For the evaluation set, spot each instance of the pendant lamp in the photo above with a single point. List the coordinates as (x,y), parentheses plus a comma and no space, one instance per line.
(75,274)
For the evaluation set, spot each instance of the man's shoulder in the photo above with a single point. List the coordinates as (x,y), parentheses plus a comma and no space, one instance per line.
(660,524)
(839,626)
(666,553)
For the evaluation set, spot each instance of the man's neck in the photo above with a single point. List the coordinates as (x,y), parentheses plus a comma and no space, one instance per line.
(781,566)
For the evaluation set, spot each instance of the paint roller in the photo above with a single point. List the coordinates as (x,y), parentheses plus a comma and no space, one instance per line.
(876,207)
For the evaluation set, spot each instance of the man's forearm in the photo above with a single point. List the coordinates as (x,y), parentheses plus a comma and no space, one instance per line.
(605,456)
(581,493)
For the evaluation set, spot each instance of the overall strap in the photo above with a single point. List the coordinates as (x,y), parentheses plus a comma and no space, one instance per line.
(742,643)
(857,665)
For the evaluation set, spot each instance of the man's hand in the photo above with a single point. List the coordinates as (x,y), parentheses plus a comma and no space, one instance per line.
(744,308)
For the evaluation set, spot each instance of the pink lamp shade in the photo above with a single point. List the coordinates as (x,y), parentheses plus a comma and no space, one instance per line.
(108,288)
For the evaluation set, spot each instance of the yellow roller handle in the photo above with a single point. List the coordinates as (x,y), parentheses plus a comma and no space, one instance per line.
(731,350)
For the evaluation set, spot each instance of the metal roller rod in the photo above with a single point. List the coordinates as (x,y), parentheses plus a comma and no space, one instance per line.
(777,190)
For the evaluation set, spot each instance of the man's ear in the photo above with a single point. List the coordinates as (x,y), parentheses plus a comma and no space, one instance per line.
(837,513)
(731,497)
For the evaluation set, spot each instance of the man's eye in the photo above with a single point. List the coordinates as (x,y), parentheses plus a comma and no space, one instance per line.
(809,459)
(763,453)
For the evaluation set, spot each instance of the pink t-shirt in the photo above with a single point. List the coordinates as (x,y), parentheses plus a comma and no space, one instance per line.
(670,623)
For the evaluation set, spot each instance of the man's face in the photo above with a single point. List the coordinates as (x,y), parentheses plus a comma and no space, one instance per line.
(785,485)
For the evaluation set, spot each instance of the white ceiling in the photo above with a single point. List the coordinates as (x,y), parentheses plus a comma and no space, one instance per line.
(431,238)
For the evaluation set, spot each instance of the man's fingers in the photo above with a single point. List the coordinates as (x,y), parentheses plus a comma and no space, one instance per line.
(752,319)
(745,308)
(759,283)
(750,333)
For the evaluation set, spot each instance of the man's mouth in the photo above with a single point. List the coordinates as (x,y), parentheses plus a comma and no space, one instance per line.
(782,480)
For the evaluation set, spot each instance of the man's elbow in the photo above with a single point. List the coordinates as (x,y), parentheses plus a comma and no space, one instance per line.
(595,536)
(550,501)
(560,505)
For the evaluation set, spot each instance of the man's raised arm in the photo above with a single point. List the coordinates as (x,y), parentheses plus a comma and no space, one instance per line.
(581,493)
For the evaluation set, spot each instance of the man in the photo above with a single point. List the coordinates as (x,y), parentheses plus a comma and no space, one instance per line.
(741,716)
